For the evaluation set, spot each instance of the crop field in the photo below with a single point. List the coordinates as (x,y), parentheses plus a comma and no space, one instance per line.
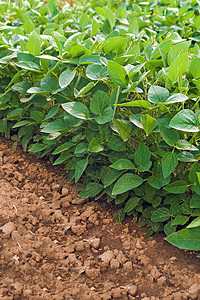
(106,94)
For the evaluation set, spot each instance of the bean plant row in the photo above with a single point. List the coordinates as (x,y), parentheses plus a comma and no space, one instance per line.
(110,90)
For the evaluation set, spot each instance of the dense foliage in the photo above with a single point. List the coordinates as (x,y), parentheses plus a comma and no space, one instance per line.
(111,90)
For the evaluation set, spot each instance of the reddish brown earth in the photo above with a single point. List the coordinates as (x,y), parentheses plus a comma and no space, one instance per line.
(51,248)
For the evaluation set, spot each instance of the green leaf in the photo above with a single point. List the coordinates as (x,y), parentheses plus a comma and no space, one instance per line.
(93,71)
(136,103)
(62,158)
(84,90)
(160,215)
(169,135)
(126,182)
(80,168)
(21,123)
(175,98)
(195,68)
(106,116)
(142,158)
(123,164)
(34,44)
(63,147)
(157,180)
(92,189)
(194,223)
(185,145)
(28,65)
(195,201)
(98,102)
(185,120)
(21,87)
(169,163)
(169,228)
(116,143)
(76,109)
(178,67)
(95,145)
(37,148)
(193,173)
(111,176)
(131,204)
(36,116)
(148,123)
(119,215)
(123,128)
(66,78)
(52,112)
(177,187)
(188,238)
(157,94)
(180,220)
(117,74)
(49,84)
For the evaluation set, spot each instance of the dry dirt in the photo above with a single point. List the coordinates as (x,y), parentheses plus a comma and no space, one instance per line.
(51,248)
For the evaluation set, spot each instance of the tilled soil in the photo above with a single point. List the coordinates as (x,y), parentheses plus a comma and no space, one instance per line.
(52,248)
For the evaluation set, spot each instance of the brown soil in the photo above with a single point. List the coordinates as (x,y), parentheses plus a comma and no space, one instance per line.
(51,248)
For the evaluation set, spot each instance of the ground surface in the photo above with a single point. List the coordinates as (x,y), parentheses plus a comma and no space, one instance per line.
(51,248)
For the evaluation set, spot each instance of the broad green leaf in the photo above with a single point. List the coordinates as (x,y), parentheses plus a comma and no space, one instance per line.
(58,125)
(131,204)
(116,143)
(136,120)
(123,128)
(95,27)
(180,220)
(185,145)
(193,173)
(21,123)
(157,94)
(84,90)
(117,74)
(178,67)
(66,78)
(98,102)
(185,120)
(49,84)
(136,103)
(157,179)
(63,147)
(37,148)
(142,158)
(62,158)
(106,116)
(169,163)
(195,68)
(126,182)
(194,223)
(175,98)
(169,135)
(95,145)
(29,65)
(169,228)
(52,112)
(123,164)
(188,238)
(76,109)
(80,168)
(111,176)
(92,189)
(186,157)
(177,187)
(148,123)
(160,215)
(37,116)
(93,71)
(81,148)
(195,201)
(34,44)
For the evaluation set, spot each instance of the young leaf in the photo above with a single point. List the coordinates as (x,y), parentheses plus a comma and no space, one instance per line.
(63,147)
(180,220)
(148,123)
(157,94)
(123,128)
(169,135)
(34,44)
(142,158)
(126,182)
(117,74)
(194,223)
(95,145)
(131,204)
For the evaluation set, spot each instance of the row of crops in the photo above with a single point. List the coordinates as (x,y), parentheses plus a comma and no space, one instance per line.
(111,90)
